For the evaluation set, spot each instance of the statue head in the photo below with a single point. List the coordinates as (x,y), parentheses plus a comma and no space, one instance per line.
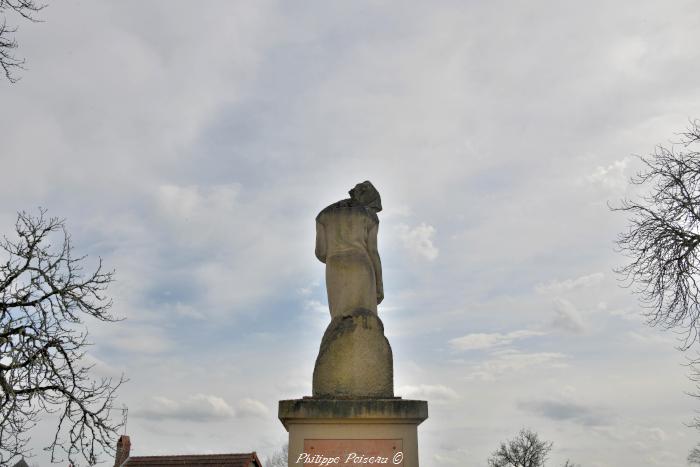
(364,194)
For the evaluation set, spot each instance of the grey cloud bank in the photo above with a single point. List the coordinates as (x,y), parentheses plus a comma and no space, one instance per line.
(194,159)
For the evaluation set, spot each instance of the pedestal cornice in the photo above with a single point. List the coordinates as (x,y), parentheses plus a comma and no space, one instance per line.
(393,410)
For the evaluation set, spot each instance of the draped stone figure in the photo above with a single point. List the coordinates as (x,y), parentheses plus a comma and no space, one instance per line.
(355,358)
(352,410)
(346,241)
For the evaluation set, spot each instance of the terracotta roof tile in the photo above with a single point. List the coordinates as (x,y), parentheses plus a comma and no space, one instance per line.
(209,460)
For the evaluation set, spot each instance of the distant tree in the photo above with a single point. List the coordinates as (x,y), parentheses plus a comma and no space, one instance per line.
(279,458)
(525,450)
(568,463)
(26,9)
(694,455)
(664,234)
(44,298)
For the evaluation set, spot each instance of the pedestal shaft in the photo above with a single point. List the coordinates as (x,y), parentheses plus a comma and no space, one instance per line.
(381,429)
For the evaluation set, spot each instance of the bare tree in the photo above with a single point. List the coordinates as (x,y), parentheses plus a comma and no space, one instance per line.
(279,458)
(568,463)
(663,236)
(525,450)
(694,376)
(44,298)
(694,455)
(26,9)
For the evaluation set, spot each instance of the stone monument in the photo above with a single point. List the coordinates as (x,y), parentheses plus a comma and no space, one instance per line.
(353,416)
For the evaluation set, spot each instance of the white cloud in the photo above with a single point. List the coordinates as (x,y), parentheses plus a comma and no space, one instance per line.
(100,367)
(140,132)
(136,338)
(178,202)
(652,338)
(251,408)
(480,341)
(628,313)
(611,177)
(419,240)
(657,434)
(558,287)
(458,457)
(316,307)
(511,362)
(560,409)
(567,317)
(432,392)
(193,203)
(188,311)
(627,53)
(198,408)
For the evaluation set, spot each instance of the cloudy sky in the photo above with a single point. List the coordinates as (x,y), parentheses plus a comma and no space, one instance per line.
(191,144)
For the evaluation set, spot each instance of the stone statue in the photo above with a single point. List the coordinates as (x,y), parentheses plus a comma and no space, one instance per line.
(346,241)
(352,409)
(355,358)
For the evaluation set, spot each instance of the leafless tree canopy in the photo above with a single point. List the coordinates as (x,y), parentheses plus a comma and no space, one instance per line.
(664,234)
(694,456)
(568,463)
(525,450)
(24,9)
(694,376)
(44,297)
(279,458)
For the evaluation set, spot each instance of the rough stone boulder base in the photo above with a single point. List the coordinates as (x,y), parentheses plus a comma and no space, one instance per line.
(355,359)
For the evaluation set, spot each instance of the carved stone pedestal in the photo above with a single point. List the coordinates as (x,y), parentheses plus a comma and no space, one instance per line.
(351,432)
(355,359)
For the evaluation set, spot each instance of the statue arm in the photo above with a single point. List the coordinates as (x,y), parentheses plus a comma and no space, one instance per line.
(376,261)
(321,248)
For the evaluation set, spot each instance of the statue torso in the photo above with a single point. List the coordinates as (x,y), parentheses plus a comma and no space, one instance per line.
(346,227)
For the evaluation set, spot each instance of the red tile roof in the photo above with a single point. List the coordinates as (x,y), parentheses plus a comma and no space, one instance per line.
(210,460)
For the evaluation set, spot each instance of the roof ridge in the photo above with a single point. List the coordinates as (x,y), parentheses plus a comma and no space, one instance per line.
(199,455)
(233,459)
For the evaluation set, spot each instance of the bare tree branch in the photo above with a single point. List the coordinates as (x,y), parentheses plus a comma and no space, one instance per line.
(663,237)
(26,9)
(568,463)
(525,450)
(694,456)
(279,458)
(44,298)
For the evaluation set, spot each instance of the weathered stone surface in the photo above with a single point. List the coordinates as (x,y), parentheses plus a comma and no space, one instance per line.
(353,409)
(355,359)
(366,410)
(353,422)
(350,452)
(346,241)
